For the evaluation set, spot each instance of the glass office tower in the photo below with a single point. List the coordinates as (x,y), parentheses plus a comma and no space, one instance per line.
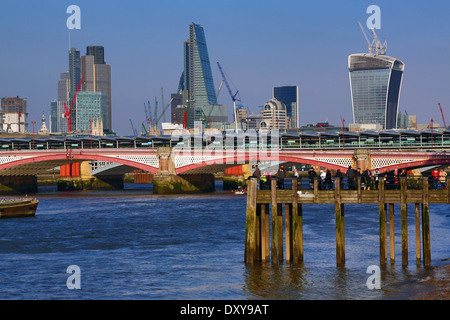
(289,96)
(375,83)
(199,94)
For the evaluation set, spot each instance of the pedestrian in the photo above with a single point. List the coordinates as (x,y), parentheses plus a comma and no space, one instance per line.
(435,174)
(328,180)
(367,179)
(281,174)
(341,178)
(376,175)
(351,176)
(322,180)
(263,185)
(396,179)
(296,173)
(443,179)
(312,175)
(257,175)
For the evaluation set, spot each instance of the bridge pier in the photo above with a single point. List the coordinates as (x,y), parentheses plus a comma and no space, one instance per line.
(86,181)
(166,181)
(12,185)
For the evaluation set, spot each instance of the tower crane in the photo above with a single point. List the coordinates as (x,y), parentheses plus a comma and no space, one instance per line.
(233,97)
(132,127)
(67,112)
(442,114)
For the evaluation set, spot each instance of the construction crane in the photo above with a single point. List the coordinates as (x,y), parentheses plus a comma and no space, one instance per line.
(207,118)
(162,103)
(442,114)
(233,97)
(164,111)
(69,111)
(132,127)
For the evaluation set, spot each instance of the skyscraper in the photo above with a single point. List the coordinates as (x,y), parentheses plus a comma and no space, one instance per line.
(101,78)
(289,96)
(197,84)
(375,83)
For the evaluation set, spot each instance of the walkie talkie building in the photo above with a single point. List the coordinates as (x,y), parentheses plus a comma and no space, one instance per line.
(375,82)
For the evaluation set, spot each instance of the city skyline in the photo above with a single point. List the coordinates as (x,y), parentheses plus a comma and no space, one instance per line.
(307,46)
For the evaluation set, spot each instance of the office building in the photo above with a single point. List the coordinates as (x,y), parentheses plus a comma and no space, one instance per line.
(375,83)
(98,78)
(14,115)
(274,116)
(289,95)
(197,84)
(91,106)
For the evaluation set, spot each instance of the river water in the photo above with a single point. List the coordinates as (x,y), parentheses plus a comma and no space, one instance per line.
(131,244)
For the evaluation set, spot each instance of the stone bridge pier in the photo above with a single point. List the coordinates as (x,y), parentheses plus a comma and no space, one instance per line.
(166,181)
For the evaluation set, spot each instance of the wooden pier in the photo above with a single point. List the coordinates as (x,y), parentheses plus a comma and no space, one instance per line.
(265,214)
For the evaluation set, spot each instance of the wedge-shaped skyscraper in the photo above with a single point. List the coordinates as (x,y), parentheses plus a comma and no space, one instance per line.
(375,83)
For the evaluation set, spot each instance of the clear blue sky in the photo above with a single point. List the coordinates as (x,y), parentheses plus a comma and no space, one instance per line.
(260,44)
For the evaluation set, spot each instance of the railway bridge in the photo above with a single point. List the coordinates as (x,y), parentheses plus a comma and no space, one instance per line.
(178,169)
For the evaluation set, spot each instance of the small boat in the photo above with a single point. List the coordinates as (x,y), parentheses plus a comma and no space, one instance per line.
(17,208)
(240,191)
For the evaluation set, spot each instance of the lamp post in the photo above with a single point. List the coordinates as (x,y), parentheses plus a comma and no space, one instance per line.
(431,133)
(91,120)
(33,122)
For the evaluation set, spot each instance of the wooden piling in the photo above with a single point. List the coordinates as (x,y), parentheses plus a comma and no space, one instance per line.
(297,227)
(274,254)
(250,224)
(383,222)
(391,233)
(340,227)
(426,223)
(404,220)
(288,230)
(417,222)
(265,232)
(280,231)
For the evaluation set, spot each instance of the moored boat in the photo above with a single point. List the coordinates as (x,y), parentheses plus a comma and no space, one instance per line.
(16,208)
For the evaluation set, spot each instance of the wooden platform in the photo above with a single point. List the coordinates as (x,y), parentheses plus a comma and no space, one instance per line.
(265,207)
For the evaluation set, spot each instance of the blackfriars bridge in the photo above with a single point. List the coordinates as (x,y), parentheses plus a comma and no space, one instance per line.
(188,163)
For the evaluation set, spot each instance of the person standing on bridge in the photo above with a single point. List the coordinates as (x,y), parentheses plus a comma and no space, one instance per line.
(312,175)
(257,175)
(443,179)
(281,174)
(435,174)
(351,176)
(376,175)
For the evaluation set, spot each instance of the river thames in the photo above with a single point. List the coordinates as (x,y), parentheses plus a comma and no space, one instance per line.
(131,244)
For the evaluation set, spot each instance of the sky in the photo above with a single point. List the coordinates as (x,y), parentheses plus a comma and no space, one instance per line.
(259,44)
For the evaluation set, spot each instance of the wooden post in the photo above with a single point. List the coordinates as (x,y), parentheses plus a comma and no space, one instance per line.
(316,189)
(297,227)
(265,233)
(340,228)
(383,223)
(426,224)
(288,229)
(404,220)
(250,223)
(448,188)
(274,222)
(258,231)
(280,231)
(391,233)
(417,221)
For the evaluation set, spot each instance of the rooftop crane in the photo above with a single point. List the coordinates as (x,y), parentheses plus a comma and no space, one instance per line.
(233,97)
(442,114)
(67,112)
(132,127)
